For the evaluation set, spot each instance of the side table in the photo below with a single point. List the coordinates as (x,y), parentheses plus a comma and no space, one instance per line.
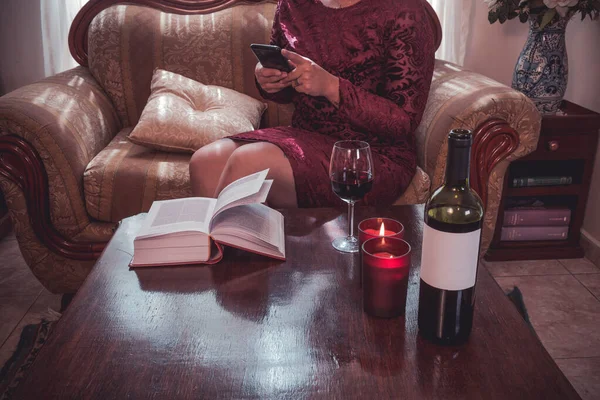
(566,149)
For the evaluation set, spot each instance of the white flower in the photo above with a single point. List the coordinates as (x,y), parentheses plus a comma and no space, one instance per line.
(562,6)
(560,3)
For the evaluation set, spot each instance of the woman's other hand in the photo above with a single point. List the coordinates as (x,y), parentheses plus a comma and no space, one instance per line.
(269,79)
(310,78)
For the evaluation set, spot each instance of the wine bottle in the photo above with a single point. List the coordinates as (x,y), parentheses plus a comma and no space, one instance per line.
(450,251)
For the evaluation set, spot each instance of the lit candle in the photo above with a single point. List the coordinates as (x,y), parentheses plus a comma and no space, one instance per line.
(377,227)
(381,232)
(385,274)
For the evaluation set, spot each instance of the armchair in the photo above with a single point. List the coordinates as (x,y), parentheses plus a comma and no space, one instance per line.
(69,174)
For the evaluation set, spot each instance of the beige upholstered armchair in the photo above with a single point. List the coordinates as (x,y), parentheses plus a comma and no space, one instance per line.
(69,174)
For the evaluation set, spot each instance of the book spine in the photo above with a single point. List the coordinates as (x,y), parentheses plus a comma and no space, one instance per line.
(542,181)
(522,233)
(555,217)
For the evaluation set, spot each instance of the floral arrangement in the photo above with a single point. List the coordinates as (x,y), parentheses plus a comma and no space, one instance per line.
(545,10)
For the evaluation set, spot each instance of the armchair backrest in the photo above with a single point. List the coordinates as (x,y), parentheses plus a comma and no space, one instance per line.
(205,40)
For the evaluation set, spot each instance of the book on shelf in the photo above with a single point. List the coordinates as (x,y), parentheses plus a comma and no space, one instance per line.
(530,181)
(192,230)
(524,233)
(535,216)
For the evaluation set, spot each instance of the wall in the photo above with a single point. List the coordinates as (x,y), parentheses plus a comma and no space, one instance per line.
(21,53)
(492,50)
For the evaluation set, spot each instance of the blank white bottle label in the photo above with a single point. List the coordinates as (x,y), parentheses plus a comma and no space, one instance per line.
(449,260)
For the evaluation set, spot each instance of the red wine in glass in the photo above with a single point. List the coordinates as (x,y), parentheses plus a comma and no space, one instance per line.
(351,174)
(351,185)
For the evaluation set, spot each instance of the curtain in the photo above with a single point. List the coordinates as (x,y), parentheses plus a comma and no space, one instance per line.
(455,18)
(57,16)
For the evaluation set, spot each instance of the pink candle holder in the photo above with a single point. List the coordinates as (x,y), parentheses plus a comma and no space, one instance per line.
(371,228)
(385,273)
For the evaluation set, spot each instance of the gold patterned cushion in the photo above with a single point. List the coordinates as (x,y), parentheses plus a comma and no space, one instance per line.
(124,179)
(183,115)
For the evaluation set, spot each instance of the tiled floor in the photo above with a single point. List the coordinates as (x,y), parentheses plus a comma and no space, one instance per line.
(563,301)
(562,298)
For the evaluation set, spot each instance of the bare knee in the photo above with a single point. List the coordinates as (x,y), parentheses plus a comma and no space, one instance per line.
(251,158)
(197,160)
(206,155)
(207,164)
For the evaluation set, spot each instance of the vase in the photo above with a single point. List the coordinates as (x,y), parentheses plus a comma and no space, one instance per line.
(542,69)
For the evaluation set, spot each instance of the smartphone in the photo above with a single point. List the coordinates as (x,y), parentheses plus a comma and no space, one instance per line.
(270,56)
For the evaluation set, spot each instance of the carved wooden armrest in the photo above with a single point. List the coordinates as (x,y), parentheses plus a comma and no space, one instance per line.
(505,124)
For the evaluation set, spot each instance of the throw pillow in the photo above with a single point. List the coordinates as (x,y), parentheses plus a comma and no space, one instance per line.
(183,115)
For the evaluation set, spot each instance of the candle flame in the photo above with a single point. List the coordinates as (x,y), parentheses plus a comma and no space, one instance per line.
(382,230)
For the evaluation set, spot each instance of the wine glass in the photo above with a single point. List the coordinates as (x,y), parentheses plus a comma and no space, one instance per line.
(351,174)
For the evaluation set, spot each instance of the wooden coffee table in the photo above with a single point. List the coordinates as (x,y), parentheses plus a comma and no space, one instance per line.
(252,327)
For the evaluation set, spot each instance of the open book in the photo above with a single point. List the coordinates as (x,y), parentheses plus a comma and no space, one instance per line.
(179,231)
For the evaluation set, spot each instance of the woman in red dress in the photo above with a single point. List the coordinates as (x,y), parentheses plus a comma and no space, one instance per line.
(362,71)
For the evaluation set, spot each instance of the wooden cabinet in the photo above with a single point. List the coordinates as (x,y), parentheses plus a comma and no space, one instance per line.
(567,147)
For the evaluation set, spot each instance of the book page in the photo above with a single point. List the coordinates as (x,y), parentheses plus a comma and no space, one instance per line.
(255,223)
(243,189)
(259,197)
(179,215)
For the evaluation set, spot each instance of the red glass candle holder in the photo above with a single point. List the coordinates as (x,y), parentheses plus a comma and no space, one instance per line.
(371,228)
(385,273)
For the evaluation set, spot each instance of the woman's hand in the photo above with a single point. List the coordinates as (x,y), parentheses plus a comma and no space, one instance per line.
(269,79)
(310,78)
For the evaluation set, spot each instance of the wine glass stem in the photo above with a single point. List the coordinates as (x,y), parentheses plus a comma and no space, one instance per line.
(351,218)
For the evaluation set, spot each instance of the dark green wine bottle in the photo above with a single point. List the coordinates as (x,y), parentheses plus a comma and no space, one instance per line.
(451,237)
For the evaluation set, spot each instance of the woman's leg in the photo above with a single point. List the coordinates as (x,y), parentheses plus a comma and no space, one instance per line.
(207,164)
(255,157)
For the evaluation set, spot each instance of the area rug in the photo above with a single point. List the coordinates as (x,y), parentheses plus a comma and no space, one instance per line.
(32,339)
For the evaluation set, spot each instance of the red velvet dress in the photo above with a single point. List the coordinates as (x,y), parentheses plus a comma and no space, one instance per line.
(383,53)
